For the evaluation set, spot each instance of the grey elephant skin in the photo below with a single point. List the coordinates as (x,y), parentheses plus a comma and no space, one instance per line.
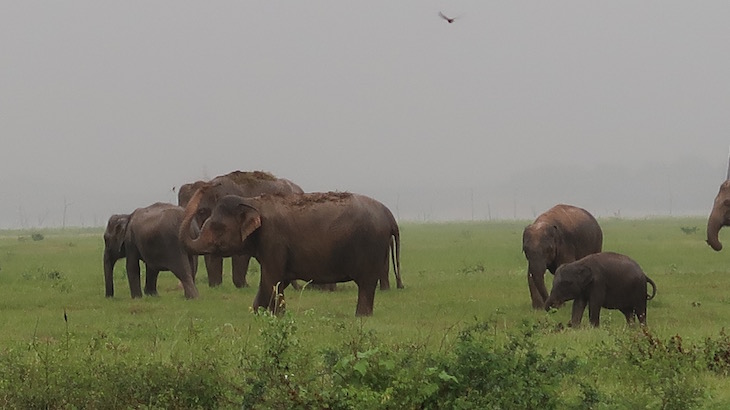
(602,280)
(560,235)
(243,183)
(150,235)
(319,237)
(719,216)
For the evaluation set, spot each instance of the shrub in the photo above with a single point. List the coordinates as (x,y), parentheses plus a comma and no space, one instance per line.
(486,374)
(656,373)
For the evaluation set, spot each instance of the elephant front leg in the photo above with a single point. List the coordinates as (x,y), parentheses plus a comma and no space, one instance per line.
(150,281)
(270,293)
(240,269)
(579,306)
(214,266)
(538,298)
(133,276)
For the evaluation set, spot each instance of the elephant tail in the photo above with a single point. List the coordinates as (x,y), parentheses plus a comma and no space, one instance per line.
(395,248)
(653,287)
(395,255)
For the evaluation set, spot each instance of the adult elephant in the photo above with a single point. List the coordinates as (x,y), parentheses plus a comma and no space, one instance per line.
(243,183)
(720,214)
(151,235)
(319,237)
(562,234)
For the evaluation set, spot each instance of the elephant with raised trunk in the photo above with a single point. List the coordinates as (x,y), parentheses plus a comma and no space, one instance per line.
(319,237)
(243,183)
(602,280)
(150,235)
(562,234)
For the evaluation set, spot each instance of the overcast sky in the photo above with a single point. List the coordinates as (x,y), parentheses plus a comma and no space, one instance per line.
(621,107)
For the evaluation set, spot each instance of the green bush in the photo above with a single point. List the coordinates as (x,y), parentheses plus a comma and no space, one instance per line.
(44,377)
(654,373)
(482,368)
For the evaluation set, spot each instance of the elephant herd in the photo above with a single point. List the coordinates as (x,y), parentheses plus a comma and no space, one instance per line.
(567,241)
(330,237)
(323,238)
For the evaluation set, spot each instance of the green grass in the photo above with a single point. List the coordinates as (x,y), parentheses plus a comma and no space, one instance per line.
(453,272)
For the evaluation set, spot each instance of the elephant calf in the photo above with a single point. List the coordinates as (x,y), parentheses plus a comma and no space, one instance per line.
(605,279)
(150,235)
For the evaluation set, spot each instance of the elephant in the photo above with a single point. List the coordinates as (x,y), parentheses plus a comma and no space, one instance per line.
(562,234)
(606,279)
(244,183)
(720,215)
(320,237)
(151,235)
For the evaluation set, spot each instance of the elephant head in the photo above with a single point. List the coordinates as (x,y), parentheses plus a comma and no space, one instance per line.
(540,243)
(719,217)
(186,191)
(116,231)
(570,282)
(225,231)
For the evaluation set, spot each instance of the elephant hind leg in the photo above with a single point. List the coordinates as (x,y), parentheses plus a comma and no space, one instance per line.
(384,277)
(150,281)
(183,271)
(629,314)
(641,314)
(365,299)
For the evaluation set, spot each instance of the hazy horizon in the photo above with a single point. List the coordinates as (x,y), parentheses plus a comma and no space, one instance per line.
(621,108)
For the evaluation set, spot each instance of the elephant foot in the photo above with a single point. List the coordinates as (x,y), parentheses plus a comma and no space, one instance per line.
(241,285)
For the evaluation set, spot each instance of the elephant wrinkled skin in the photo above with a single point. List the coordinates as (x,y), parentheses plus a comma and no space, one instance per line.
(150,235)
(319,237)
(562,234)
(607,279)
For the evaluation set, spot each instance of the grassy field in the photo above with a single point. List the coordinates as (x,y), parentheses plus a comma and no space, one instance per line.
(455,274)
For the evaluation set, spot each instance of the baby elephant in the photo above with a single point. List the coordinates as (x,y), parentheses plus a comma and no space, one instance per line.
(605,279)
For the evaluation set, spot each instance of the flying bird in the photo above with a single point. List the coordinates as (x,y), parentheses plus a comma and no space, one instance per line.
(449,19)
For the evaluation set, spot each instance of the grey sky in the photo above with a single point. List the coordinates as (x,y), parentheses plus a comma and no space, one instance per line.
(620,107)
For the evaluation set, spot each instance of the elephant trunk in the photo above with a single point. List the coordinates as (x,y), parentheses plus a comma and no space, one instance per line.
(196,245)
(553,302)
(109,259)
(536,275)
(548,304)
(714,223)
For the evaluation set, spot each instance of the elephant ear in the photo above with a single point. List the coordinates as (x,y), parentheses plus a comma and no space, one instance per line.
(251,222)
(120,231)
(585,277)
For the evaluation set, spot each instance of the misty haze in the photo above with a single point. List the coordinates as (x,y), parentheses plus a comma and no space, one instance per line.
(620,108)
